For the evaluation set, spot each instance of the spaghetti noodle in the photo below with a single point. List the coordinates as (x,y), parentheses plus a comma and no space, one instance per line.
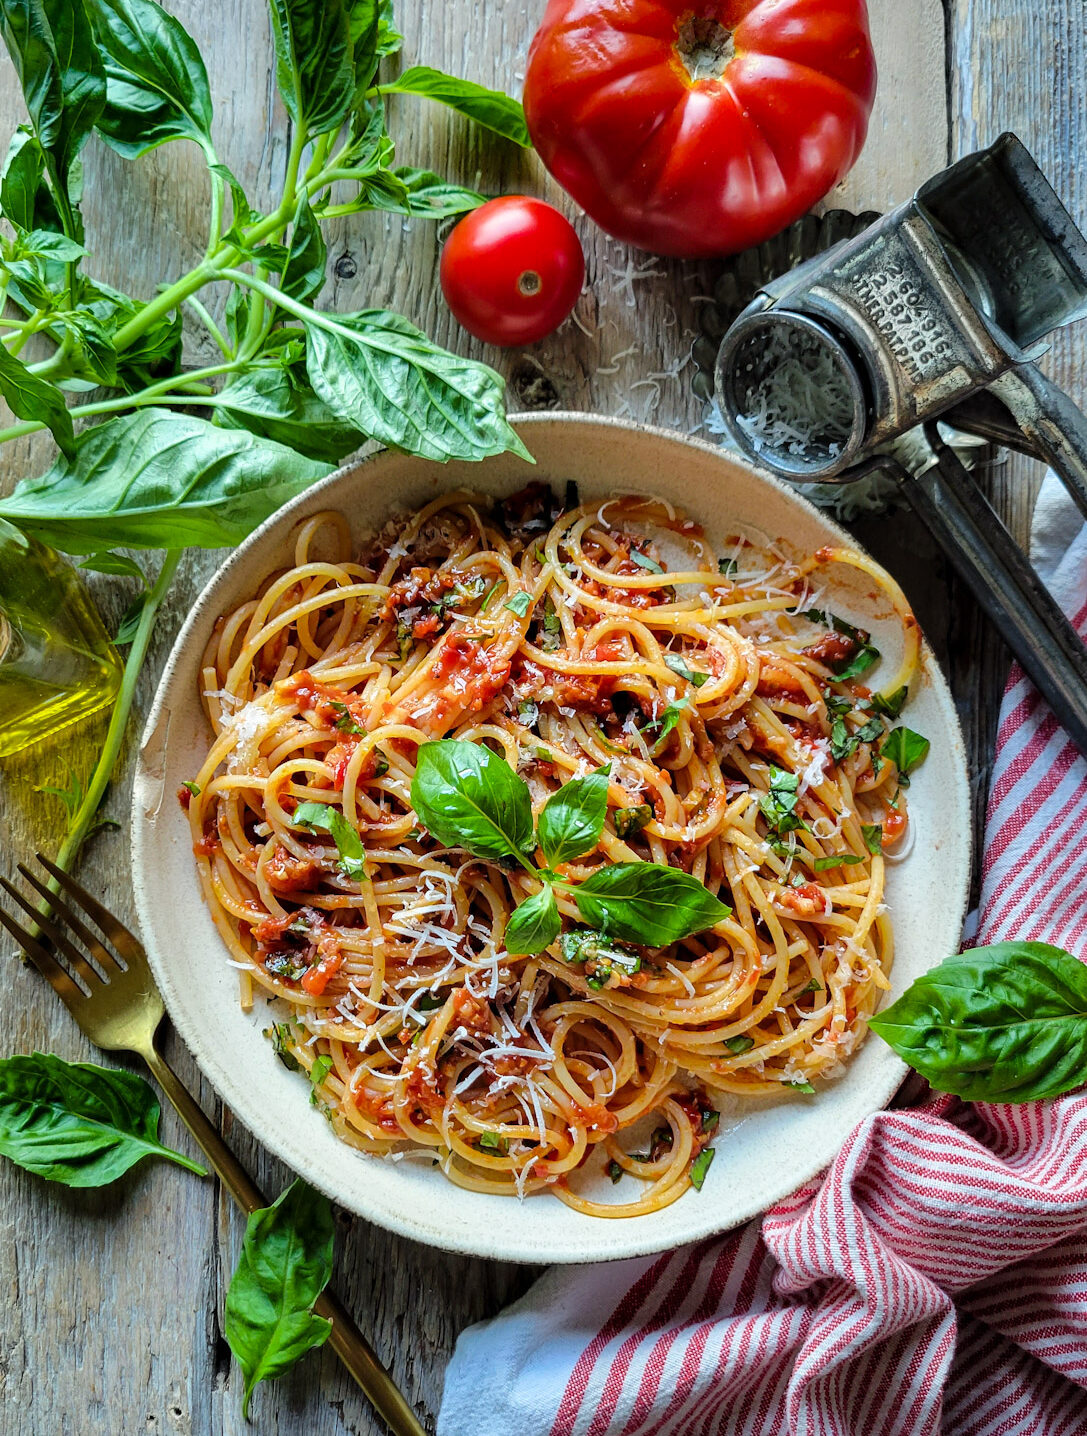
(741,748)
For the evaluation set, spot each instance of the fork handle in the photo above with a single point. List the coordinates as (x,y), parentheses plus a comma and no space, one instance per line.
(345,1338)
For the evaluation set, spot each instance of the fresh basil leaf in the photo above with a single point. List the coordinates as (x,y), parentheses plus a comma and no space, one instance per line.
(804,1087)
(629,822)
(728,567)
(156,84)
(872,834)
(304,276)
(21,179)
(376,370)
(116,563)
(50,245)
(533,925)
(490,108)
(279,405)
(130,622)
(286,1263)
(76,1123)
(346,722)
(644,561)
(156,479)
(836,860)
(700,1166)
(323,818)
(740,1043)
(322,1066)
(906,749)
(573,818)
(891,705)
(866,657)
(1006,1023)
(519,603)
(60,71)
(677,665)
(282,1037)
(469,797)
(647,904)
(432,197)
(29,396)
(315,67)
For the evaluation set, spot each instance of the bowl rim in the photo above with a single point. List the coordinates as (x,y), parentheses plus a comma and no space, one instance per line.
(216,1070)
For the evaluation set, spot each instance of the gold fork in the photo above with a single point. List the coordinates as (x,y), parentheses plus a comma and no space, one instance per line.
(119,1007)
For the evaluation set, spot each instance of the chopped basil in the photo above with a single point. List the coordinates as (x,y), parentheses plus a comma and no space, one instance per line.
(492,1142)
(551,638)
(322,1066)
(700,1166)
(346,722)
(381,764)
(668,720)
(194,788)
(322,818)
(644,561)
(802,1087)
(405,639)
(430,1002)
(836,860)
(490,594)
(727,566)
(615,1172)
(907,750)
(677,665)
(740,1043)
(519,603)
(873,836)
(710,1119)
(630,821)
(289,965)
(583,945)
(778,806)
(813,986)
(281,1039)
(843,743)
(529,714)
(893,704)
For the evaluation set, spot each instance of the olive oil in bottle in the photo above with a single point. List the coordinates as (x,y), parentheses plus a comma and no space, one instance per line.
(57,664)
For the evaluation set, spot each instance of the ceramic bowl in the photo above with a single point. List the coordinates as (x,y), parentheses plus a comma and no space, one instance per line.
(764,1151)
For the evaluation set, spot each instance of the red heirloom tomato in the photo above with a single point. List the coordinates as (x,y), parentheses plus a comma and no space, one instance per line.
(699,128)
(512,270)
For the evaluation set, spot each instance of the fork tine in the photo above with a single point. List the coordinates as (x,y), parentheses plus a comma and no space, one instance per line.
(126,943)
(56,935)
(94,945)
(43,960)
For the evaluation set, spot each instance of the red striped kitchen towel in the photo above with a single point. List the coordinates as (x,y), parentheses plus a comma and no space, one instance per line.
(934,1279)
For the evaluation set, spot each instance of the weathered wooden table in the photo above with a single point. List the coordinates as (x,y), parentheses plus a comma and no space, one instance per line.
(112,1301)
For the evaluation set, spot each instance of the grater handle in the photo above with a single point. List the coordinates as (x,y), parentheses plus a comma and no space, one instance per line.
(967,527)
(1054,424)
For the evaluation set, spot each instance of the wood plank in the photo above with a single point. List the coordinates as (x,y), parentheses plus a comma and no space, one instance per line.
(154,1254)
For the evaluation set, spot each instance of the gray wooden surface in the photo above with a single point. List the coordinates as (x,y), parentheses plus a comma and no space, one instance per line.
(111,1302)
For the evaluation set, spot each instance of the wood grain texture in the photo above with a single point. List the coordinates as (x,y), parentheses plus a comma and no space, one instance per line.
(111,1301)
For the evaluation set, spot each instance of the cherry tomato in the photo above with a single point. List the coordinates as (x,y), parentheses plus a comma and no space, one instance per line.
(699,129)
(512,270)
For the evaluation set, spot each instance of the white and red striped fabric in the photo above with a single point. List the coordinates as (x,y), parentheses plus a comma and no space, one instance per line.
(934,1279)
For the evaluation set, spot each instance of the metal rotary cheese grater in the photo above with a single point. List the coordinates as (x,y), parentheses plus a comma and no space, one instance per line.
(937,310)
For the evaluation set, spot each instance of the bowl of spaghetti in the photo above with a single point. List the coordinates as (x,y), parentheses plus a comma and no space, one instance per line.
(521,853)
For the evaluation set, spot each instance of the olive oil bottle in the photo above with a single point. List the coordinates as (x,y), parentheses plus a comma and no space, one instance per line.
(57,664)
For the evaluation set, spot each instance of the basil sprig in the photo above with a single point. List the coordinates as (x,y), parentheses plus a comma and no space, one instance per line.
(285,1264)
(470,798)
(1006,1023)
(77,1123)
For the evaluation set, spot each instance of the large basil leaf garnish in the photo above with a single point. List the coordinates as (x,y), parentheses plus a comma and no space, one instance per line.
(468,797)
(648,904)
(1006,1023)
(77,1123)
